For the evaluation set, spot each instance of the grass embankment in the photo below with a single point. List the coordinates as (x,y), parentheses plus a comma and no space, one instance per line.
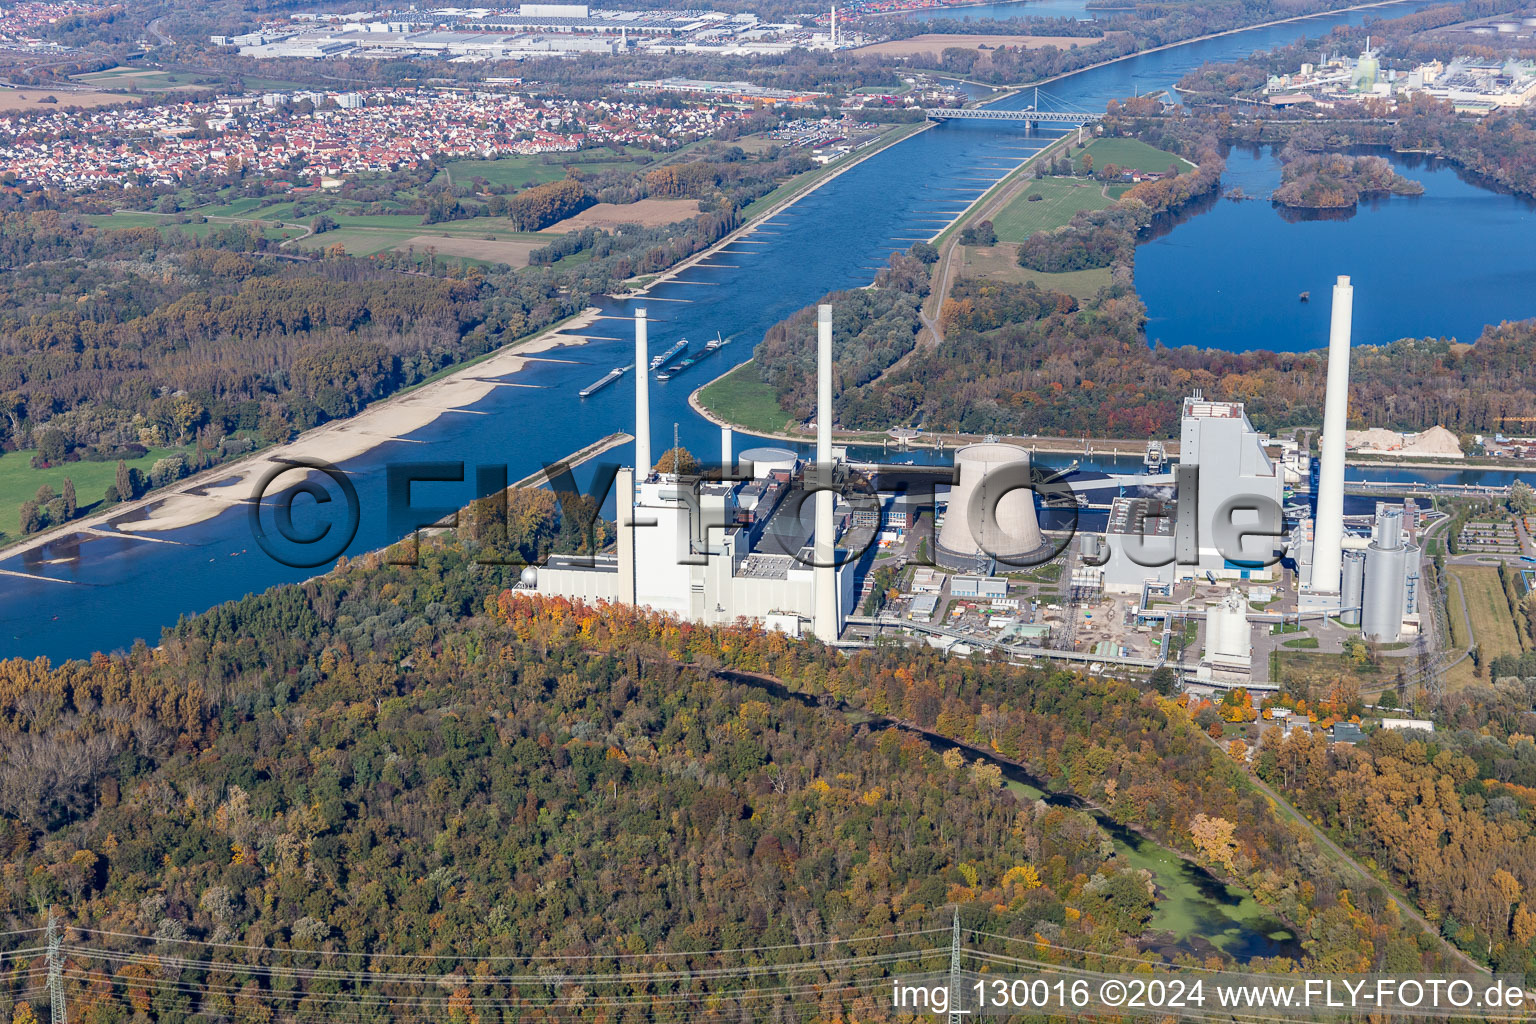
(19,483)
(1060,200)
(1493,625)
(742,399)
(1131,155)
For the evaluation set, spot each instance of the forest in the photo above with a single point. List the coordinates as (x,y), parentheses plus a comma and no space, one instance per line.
(1448,816)
(1018,359)
(872,328)
(411,761)
(115,342)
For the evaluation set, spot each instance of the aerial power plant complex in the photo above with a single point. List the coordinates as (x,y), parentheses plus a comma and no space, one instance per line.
(716,550)
(1218,540)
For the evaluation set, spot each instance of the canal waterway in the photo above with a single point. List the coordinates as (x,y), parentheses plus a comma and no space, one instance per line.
(86,592)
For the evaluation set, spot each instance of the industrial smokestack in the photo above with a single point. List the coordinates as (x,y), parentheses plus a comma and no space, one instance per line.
(834,26)
(1328,528)
(643,461)
(726,455)
(826,617)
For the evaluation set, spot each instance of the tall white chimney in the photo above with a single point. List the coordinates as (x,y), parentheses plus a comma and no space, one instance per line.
(834,26)
(826,617)
(643,461)
(1328,528)
(726,455)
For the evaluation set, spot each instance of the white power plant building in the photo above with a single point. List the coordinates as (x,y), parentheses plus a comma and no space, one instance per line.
(1225,522)
(691,547)
(1239,513)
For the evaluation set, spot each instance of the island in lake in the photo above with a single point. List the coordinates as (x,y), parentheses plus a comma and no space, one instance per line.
(1335,181)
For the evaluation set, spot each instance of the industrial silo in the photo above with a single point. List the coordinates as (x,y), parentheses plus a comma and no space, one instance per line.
(1386,577)
(1227,637)
(991,510)
(1352,587)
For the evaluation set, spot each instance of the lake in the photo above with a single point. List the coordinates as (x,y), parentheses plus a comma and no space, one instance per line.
(1228,274)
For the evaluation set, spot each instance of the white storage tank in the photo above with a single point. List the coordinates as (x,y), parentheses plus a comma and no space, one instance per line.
(765,460)
(1352,588)
(1227,640)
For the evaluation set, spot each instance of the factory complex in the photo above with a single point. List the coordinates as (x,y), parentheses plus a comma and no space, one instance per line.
(525,31)
(1195,569)
(1473,86)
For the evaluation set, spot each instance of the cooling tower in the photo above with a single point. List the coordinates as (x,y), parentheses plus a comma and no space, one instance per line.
(1353,588)
(991,509)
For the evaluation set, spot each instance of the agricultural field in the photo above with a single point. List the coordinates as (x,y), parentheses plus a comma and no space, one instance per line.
(519,171)
(12,100)
(144,79)
(365,235)
(1130,154)
(1493,626)
(648,213)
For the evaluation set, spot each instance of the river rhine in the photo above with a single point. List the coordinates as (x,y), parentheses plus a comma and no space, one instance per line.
(104,592)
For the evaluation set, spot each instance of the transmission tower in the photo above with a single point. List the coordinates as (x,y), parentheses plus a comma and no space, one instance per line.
(55,974)
(956,1015)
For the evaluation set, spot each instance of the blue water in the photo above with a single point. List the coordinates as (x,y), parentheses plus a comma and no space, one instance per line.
(1444,264)
(105,592)
(998,12)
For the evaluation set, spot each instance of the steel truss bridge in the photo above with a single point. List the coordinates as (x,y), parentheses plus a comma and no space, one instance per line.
(1029,117)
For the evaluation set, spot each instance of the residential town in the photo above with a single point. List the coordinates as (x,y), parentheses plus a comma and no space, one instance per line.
(333,134)
(19,21)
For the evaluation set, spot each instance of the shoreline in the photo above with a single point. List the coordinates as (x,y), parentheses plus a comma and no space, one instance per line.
(756,220)
(205,495)
(1014,90)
